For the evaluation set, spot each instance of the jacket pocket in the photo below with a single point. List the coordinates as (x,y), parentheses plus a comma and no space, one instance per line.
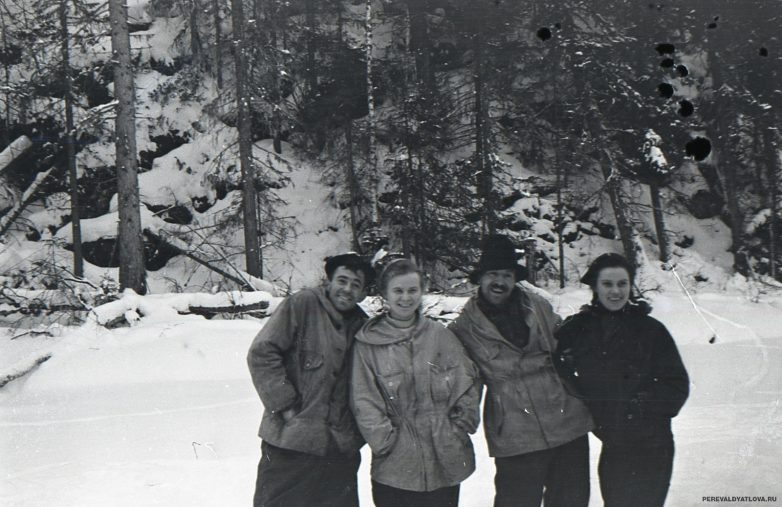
(312,361)
(496,417)
(311,377)
(442,382)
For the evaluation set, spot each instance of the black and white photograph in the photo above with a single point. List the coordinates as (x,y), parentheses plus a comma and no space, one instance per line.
(391,253)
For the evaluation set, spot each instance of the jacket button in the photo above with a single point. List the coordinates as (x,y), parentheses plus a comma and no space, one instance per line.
(629,416)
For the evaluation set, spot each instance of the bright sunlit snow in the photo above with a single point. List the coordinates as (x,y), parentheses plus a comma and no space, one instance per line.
(164,413)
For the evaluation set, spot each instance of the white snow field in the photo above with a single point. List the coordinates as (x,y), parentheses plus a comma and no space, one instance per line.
(164,413)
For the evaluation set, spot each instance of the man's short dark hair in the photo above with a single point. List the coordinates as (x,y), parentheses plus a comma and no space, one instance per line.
(352,262)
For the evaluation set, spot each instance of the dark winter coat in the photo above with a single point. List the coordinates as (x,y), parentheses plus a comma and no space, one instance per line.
(415,395)
(527,407)
(626,366)
(299,360)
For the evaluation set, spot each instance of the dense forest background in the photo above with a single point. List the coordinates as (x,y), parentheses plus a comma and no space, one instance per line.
(419,126)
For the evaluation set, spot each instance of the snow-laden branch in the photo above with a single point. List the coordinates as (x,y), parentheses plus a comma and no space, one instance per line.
(13,150)
(22,368)
(27,197)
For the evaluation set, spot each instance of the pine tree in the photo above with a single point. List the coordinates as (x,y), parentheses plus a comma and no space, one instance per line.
(253,256)
(131,247)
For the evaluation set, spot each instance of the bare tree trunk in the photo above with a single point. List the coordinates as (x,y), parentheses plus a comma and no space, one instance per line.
(352,185)
(623,223)
(659,223)
(70,140)
(560,219)
(724,115)
(275,97)
(253,259)
(483,169)
(372,151)
(7,87)
(728,171)
(424,241)
(195,35)
(310,72)
(420,44)
(218,43)
(772,178)
(131,246)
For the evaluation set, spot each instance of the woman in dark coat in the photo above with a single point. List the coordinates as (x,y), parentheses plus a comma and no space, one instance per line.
(626,367)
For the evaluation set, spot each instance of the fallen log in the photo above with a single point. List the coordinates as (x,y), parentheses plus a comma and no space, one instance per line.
(259,309)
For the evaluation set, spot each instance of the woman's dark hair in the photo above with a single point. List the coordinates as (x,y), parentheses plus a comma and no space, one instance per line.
(398,267)
(614,260)
(604,261)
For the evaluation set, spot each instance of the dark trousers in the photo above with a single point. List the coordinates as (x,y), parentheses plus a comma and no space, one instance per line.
(295,479)
(388,496)
(635,474)
(560,475)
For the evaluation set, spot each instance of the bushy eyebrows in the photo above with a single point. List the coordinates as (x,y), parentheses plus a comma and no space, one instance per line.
(348,279)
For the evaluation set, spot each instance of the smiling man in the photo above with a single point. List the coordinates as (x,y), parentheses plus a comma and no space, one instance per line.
(536,431)
(298,363)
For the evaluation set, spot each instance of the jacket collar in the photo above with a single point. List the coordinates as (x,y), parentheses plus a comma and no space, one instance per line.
(379,331)
(484,327)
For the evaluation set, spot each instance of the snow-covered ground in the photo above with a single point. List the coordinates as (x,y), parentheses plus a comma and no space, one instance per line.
(164,413)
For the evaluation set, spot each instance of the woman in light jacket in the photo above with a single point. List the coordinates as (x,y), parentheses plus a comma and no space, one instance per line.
(415,397)
(628,371)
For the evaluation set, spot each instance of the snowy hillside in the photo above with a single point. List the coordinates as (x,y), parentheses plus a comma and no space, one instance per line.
(190,177)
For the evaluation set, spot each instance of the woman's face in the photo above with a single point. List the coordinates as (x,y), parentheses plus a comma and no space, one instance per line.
(403,295)
(613,288)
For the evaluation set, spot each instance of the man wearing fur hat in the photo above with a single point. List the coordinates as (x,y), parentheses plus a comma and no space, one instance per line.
(535,429)
(299,365)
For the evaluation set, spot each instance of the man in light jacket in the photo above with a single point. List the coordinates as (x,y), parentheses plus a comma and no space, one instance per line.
(535,429)
(299,363)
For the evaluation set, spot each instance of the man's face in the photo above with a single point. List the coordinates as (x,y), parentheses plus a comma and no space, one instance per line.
(497,285)
(345,289)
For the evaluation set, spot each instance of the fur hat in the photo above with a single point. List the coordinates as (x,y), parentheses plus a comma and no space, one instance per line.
(603,261)
(498,252)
